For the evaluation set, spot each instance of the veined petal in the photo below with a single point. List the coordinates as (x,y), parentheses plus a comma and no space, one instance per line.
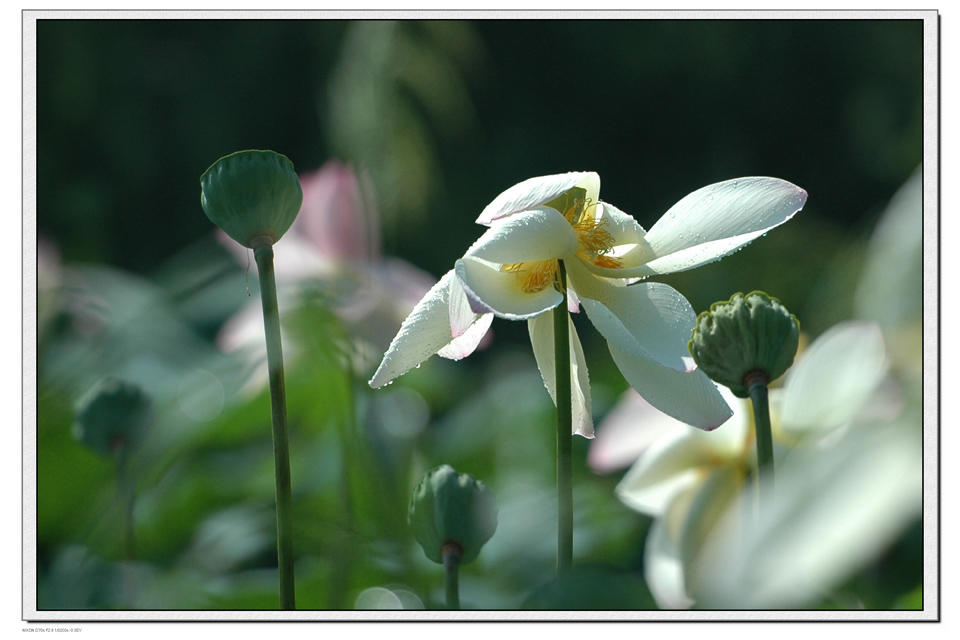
(466,343)
(541,338)
(713,222)
(537,191)
(689,397)
(462,317)
(834,377)
(534,234)
(425,332)
(646,320)
(491,290)
(622,226)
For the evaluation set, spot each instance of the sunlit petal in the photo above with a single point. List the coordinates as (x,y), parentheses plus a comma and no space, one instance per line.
(425,332)
(462,317)
(467,342)
(689,397)
(537,191)
(541,337)
(624,229)
(713,222)
(645,320)
(537,234)
(833,379)
(491,290)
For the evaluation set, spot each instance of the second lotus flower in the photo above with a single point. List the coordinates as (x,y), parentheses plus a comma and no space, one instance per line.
(513,271)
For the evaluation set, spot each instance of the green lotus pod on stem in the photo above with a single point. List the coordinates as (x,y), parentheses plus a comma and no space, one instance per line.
(749,334)
(745,344)
(113,419)
(254,196)
(452,516)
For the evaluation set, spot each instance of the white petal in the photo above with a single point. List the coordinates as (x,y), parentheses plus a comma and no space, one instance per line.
(833,378)
(689,397)
(891,285)
(663,568)
(535,234)
(646,320)
(671,465)
(835,512)
(622,226)
(536,191)
(541,338)
(491,290)
(425,332)
(713,222)
(627,431)
(462,317)
(466,343)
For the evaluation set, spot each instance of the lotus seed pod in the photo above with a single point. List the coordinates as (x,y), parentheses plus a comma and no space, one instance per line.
(113,416)
(750,334)
(254,196)
(452,508)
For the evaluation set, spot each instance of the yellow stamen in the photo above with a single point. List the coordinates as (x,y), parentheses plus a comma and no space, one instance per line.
(534,276)
(594,241)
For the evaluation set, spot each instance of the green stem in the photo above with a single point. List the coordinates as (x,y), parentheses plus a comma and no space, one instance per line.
(278,406)
(125,487)
(561,341)
(451,574)
(757,385)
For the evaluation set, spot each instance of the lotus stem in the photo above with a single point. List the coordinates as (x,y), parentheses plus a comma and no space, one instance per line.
(757,385)
(278,405)
(451,569)
(561,340)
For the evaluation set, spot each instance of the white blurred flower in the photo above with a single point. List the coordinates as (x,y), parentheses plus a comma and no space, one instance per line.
(687,479)
(512,271)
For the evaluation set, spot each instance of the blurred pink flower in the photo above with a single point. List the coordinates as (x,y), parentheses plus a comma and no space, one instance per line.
(335,240)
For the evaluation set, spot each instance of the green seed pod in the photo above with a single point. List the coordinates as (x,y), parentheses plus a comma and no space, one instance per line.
(254,196)
(752,334)
(113,416)
(452,508)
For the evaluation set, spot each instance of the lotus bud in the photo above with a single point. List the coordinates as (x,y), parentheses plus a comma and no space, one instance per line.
(452,512)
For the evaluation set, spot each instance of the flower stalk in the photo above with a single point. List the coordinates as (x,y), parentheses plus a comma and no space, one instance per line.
(263,252)
(126,489)
(561,338)
(452,552)
(756,383)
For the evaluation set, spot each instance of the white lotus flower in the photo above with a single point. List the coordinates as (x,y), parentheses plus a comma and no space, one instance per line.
(687,479)
(512,272)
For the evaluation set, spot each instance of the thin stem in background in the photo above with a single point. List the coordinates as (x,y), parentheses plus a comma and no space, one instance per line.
(451,574)
(561,341)
(278,406)
(125,487)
